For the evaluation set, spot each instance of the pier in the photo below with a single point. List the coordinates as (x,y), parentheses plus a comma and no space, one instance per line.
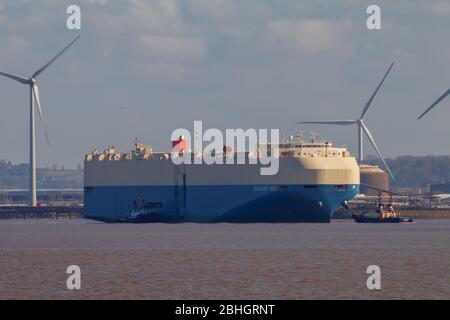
(44,212)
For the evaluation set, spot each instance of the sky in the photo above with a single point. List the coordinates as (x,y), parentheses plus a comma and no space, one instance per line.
(145,68)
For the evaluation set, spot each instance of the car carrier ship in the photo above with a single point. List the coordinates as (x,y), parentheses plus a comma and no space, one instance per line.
(313,179)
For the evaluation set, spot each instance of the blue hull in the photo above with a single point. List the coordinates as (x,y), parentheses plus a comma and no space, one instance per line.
(240,203)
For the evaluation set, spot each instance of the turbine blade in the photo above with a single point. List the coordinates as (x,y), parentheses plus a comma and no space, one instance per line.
(14,77)
(435,103)
(38,72)
(41,115)
(372,141)
(369,103)
(335,122)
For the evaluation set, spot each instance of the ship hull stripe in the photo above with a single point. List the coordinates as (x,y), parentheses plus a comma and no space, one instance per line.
(226,203)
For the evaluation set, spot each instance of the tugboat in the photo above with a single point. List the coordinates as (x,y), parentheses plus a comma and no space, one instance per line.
(381,214)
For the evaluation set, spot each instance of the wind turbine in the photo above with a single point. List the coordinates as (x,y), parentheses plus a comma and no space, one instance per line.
(362,128)
(35,102)
(435,103)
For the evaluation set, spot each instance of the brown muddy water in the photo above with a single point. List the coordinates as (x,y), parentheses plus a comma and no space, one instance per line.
(224,261)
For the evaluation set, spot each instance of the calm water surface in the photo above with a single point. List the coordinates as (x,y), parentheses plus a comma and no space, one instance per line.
(224,261)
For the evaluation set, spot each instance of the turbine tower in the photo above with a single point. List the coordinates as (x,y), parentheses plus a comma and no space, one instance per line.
(35,102)
(435,103)
(362,128)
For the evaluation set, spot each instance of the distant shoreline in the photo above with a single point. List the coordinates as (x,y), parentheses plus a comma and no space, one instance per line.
(425,213)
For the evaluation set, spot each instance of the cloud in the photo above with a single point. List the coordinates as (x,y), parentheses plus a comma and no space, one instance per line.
(169,7)
(96,2)
(17,46)
(213,9)
(440,8)
(308,36)
(218,60)
(135,16)
(179,49)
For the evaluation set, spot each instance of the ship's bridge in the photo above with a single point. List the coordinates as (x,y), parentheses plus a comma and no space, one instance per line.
(297,147)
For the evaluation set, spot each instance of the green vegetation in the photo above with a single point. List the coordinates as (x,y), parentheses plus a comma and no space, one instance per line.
(16,177)
(413,171)
(409,171)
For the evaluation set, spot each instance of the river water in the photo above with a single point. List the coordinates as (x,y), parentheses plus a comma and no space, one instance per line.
(224,261)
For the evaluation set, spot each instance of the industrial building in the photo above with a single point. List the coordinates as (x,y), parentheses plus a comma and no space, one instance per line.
(373,176)
(440,188)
